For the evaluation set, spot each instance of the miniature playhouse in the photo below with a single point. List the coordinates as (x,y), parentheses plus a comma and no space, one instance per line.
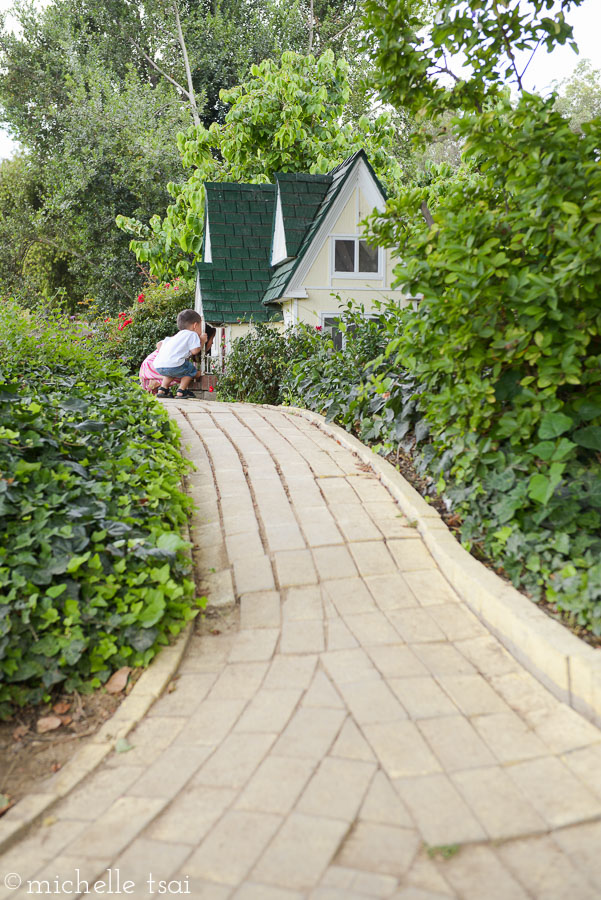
(290,252)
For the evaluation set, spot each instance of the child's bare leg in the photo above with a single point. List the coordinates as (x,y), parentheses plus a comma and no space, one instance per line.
(167,380)
(184,382)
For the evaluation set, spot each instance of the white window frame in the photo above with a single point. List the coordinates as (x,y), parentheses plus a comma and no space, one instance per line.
(376,276)
(338,315)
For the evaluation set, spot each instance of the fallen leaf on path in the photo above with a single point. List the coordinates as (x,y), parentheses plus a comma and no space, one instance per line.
(118,680)
(66,720)
(48,821)
(20,732)
(48,723)
(5,803)
(56,766)
(61,707)
(123,745)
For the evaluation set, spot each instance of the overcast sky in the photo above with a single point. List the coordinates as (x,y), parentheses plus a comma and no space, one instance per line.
(542,72)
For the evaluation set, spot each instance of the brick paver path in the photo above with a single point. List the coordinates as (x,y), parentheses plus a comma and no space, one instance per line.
(358,733)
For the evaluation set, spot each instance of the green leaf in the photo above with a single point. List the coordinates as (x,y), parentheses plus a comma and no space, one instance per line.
(589,437)
(554,424)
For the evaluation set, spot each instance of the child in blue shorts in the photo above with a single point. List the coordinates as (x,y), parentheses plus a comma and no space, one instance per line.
(172,359)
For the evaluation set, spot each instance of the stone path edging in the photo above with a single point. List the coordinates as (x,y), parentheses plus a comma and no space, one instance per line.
(130,713)
(568,666)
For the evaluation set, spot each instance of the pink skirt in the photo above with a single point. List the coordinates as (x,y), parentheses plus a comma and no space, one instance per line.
(149,377)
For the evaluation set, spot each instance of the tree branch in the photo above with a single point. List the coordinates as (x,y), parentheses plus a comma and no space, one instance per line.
(311,26)
(162,72)
(427,214)
(182,43)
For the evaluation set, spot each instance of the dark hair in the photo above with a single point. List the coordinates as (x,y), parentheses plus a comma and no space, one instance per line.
(186,318)
(211,331)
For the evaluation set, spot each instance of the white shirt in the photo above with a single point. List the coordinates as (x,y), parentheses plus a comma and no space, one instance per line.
(175,349)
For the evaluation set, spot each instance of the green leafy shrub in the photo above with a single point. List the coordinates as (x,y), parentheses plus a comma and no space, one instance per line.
(131,335)
(93,574)
(256,364)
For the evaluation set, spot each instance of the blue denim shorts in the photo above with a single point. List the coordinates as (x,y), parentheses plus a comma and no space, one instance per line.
(186,368)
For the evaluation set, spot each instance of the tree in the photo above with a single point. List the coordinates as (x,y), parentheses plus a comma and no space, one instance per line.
(579,97)
(285,118)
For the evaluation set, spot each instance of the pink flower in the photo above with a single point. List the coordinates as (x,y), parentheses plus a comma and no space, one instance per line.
(168,284)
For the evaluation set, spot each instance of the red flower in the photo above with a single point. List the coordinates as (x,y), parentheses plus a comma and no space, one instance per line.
(211,388)
(122,315)
(167,285)
(140,298)
(318,328)
(107,320)
(127,322)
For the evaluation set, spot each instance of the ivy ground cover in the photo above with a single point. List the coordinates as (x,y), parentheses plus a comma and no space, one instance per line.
(93,573)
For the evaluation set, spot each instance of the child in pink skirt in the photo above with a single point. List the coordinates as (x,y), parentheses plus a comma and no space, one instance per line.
(149,377)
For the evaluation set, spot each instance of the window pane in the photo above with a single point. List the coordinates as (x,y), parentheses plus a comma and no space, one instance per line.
(344,256)
(368,257)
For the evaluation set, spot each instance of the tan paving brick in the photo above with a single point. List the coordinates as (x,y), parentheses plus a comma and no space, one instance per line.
(508,737)
(303,603)
(290,672)
(254,646)
(391,591)
(457,622)
(476,872)
(350,743)
(372,628)
(581,844)
(233,846)
(499,806)
(170,772)
(372,558)
(318,525)
(322,692)
(562,729)
(410,555)
(302,637)
(276,785)
(310,733)
(455,743)
(116,827)
(232,764)
(422,697)
(243,546)
(68,872)
(337,788)
(523,692)
(442,659)
(191,815)
(472,694)
(371,701)
(211,722)
(354,523)
(379,848)
(397,661)
(334,562)
(255,577)
(338,636)
(586,765)
(338,490)
(147,861)
(349,665)
(295,567)
(238,681)
(92,798)
(382,804)
(415,625)
(554,792)
(545,871)
(284,537)
(269,710)
(253,891)
(370,489)
(300,852)
(430,587)
(186,694)
(442,815)
(349,595)
(401,749)
(260,610)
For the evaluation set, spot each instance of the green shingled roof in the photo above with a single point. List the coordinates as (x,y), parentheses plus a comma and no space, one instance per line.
(239,283)
(239,218)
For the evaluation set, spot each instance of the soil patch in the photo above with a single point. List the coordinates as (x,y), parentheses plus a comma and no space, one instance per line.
(29,754)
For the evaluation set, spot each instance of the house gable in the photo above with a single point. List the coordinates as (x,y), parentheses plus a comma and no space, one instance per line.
(356,172)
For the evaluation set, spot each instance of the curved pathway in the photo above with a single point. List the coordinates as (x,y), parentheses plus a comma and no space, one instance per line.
(348,730)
